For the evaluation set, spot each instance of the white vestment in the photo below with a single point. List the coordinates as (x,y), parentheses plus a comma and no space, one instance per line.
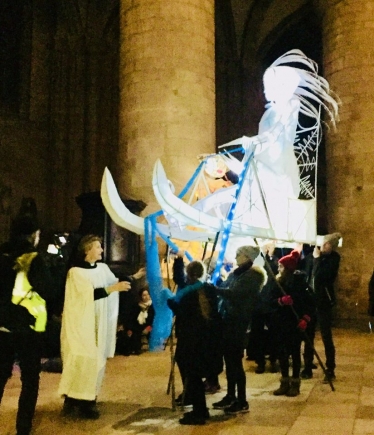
(88,334)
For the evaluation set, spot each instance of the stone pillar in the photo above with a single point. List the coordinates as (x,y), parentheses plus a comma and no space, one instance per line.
(167,92)
(348,32)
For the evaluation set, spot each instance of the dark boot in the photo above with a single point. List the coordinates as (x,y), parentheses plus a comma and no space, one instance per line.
(88,410)
(294,389)
(70,406)
(284,387)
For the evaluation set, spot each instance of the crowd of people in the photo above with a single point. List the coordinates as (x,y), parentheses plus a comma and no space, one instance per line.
(286,298)
(277,306)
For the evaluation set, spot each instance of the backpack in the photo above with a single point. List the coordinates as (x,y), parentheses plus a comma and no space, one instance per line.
(23,294)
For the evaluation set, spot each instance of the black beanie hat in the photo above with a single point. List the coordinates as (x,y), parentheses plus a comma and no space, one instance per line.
(24,226)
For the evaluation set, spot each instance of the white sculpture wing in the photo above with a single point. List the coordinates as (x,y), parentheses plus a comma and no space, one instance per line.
(176,208)
(124,218)
(115,207)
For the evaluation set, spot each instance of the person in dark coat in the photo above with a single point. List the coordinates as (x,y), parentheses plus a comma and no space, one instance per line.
(321,268)
(140,321)
(21,328)
(371,296)
(294,308)
(198,352)
(260,340)
(239,296)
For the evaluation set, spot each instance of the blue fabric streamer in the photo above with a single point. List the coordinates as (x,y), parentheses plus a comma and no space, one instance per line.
(173,246)
(162,322)
(228,222)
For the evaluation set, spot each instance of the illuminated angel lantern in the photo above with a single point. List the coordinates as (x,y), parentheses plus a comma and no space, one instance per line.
(275,196)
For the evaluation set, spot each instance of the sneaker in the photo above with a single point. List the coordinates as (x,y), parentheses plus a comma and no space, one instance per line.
(329,376)
(237,408)
(186,404)
(179,401)
(224,403)
(190,418)
(306,374)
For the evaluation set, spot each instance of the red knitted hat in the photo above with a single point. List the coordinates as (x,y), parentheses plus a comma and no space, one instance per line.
(290,261)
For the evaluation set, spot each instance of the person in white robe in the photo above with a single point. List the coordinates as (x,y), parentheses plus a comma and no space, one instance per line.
(89,324)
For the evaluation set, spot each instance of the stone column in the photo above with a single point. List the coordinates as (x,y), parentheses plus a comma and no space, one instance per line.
(167,92)
(348,32)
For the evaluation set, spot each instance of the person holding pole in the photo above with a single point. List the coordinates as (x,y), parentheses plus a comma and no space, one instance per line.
(294,308)
(198,348)
(322,268)
(239,295)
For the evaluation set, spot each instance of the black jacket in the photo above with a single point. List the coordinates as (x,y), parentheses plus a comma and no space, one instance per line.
(16,317)
(371,296)
(321,274)
(286,317)
(199,331)
(239,296)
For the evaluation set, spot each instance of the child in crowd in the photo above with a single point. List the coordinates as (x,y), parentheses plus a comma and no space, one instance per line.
(294,308)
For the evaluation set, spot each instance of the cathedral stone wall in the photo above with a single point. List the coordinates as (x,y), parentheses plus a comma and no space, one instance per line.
(24,170)
(348,32)
(167,85)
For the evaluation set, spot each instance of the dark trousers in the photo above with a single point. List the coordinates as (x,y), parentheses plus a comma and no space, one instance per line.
(262,341)
(197,394)
(236,380)
(27,346)
(324,320)
(183,370)
(290,346)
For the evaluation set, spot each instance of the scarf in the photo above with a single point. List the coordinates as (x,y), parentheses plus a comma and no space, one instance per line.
(142,317)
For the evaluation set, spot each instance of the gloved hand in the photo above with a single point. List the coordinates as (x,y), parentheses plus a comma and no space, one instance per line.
(285,300)
(303,323)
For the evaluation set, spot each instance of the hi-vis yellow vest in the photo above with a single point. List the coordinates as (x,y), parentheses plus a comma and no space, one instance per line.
(24,295)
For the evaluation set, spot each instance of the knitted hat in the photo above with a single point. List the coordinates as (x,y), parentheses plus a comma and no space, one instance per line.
(251,252)
(333,239)
(290,261)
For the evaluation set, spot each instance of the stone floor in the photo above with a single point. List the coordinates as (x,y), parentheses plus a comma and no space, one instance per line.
(134,400)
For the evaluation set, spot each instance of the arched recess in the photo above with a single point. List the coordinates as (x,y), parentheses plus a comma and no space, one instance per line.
(227,74)
(84,108)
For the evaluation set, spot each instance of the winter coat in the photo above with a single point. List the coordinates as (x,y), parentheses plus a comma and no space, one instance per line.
(199,330)
(321,274)
(16,317)
(371,296)
(239,296)
(133,322)
(285,318)
(264,305)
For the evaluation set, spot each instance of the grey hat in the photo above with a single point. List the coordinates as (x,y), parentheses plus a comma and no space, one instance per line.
(333,239)
(251,252)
